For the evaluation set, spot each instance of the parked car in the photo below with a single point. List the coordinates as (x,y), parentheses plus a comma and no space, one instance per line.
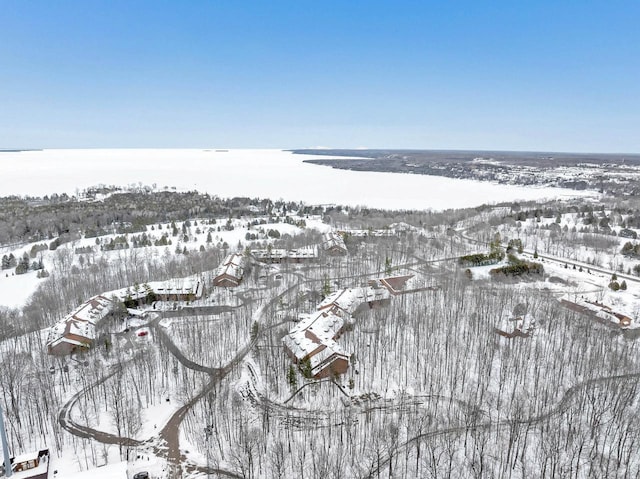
(141,475)
(143,332)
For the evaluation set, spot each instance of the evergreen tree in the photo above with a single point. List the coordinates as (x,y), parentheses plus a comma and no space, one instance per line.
(292,377)
(23,265)
(326,287)
(387,266)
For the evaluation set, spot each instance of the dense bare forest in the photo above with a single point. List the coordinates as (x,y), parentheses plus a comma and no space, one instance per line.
(432,389)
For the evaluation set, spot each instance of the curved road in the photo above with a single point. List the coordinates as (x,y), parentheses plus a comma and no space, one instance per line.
(558,409)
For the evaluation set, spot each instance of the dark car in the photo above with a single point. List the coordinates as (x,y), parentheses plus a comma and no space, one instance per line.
(141,475)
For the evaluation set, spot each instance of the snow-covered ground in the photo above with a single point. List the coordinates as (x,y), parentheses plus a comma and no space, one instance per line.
(271,174)
(15,290)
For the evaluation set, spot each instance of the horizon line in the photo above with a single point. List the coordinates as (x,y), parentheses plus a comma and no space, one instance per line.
(323,148)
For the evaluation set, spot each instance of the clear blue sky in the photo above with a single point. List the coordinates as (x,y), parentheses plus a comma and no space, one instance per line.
(546,75)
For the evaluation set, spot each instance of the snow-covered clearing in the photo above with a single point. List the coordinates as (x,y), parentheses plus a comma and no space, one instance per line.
(271,174)
(15,290)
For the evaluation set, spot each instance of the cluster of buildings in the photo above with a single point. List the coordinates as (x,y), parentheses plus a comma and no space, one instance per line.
(332,244)
(312,343)
(77,330)
(600,312)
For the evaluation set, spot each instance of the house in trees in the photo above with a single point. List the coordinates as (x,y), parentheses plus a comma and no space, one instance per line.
(518,327)
(601,313)
(273,255)
(312,342)
(32,465)
(77,330)
(230,272)
(312,345)
(333,244)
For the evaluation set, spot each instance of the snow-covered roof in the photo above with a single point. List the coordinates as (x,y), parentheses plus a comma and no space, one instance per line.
(233,265)
(315,331)
(333,240)
(80,322)
(92,310)
(373,294)
(184,286)
(300,345)
(347,300)
(66,340)
(325,358)
(80,328)
(190,285)
(28,456)
(322,324)
(276,253)
(34,472)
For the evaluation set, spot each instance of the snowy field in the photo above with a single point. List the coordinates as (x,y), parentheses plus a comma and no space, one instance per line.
(273,174)
(15,290)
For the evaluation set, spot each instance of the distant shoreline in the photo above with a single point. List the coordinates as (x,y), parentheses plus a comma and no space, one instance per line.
(615,174)
(18,150)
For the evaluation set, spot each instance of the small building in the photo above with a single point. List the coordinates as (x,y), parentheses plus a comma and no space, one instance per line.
(230,272)
(624,320)
(333,244)
(312,342)
(32,465)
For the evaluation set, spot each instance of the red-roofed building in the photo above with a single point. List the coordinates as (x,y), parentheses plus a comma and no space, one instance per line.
(230,272)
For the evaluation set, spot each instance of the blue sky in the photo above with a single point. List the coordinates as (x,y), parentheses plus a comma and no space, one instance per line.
(544,75)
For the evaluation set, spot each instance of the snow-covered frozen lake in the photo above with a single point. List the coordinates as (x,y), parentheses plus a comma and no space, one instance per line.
(274,174)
